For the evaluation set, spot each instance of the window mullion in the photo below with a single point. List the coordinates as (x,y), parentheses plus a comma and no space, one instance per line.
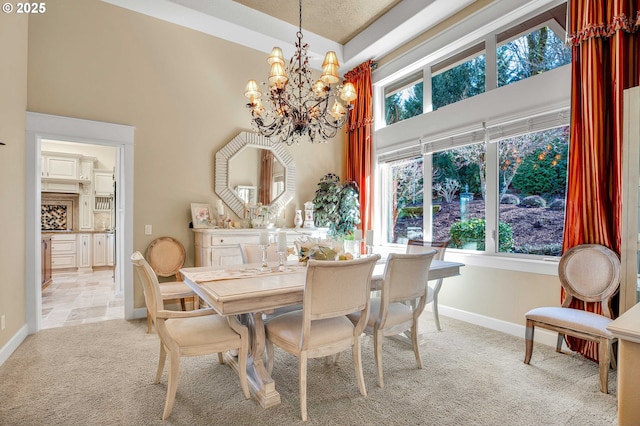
(427,202)
(491,63)
(491,200)
(427,91)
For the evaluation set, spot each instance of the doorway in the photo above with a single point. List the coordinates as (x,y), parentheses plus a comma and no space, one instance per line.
(82,132)
(78,228)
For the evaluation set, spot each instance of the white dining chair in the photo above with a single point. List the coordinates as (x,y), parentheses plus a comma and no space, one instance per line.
(405,280)
(333,289)
(188,333)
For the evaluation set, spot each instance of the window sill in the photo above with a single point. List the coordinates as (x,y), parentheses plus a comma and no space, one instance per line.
(542,265)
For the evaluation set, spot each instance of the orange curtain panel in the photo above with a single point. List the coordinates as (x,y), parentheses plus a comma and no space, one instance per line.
(359,152)
(605,61)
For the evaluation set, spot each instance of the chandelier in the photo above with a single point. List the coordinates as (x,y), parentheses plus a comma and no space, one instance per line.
(296,105)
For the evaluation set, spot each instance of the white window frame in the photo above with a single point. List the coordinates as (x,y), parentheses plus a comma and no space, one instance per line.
(481,27)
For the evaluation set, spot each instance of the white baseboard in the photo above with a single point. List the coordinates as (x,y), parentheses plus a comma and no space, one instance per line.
(541,335)
(13,344)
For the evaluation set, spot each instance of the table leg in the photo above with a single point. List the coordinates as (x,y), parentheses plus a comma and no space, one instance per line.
(261,384)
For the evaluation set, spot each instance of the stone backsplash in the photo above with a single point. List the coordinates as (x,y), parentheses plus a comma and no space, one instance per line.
(54,217)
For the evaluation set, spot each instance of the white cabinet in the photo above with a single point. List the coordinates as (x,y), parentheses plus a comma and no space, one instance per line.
(103,182)
(86,169)
(220,247)
(59,166)
(84,251)
(99,249)
(85,210)
(111,249)
(63,251)
(630,247)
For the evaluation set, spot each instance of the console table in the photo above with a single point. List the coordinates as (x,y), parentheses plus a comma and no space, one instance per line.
(221,247)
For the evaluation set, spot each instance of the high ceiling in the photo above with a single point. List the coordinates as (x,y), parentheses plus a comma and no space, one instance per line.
(357,30)
(336,20)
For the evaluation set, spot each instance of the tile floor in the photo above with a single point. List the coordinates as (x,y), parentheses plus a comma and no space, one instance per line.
(79,298)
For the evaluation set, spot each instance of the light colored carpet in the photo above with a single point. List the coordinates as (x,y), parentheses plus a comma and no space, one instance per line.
(102,373)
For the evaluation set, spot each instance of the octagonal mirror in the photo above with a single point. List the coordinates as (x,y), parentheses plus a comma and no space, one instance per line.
(251,169)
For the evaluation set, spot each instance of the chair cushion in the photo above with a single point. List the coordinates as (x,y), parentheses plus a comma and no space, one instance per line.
(288,327)
(398,314)
(201,331)
(175,290)
(574,319)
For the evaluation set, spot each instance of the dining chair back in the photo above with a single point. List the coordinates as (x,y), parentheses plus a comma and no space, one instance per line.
(420,246)
(188,333)
(166,256)
(589,273)
(252,253)
(402,299)
(332,290)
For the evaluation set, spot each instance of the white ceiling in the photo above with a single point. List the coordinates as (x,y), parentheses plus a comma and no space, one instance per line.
(357,30)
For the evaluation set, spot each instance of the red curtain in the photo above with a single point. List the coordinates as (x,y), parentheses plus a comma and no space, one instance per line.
(605,61)
(359,152)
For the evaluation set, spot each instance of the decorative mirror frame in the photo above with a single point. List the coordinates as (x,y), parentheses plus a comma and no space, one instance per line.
(233,147)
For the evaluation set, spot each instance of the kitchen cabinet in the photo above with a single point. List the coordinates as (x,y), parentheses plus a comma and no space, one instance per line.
(111,249)
(100,249)
(63,251)
(45,252)
(85,211)
(103,183)
(59,166)
(84,251)
(86,169)
(630,247)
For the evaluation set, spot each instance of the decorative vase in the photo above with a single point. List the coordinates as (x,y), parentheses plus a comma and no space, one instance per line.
(298,219)
(308,215)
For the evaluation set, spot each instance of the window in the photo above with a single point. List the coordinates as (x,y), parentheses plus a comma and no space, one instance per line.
(459,82)
(533,174)
(458,177)
(534,53)
(404,190)
(404,99)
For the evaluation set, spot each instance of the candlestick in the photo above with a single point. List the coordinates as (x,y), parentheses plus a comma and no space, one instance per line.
(368,238)
(264,238)
(220,208)
(282,241)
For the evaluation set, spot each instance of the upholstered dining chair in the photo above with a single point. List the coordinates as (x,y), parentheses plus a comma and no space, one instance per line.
(252,253)
(166,256)
(404,280)
(189,333)
(590,273)
(332,290)
(419,246)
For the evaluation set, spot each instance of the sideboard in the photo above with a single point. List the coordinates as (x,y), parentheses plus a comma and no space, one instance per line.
(220,247)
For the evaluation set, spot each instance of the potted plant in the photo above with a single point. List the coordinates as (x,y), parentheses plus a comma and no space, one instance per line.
(337,206)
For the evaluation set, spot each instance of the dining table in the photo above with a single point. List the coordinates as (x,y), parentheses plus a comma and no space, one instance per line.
(246,293)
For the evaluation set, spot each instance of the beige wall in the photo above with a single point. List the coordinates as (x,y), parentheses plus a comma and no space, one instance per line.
(182,90)
(13,101)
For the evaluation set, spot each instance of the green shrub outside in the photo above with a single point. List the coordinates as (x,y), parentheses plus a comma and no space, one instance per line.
(538,176)
(410,212)
(473,231)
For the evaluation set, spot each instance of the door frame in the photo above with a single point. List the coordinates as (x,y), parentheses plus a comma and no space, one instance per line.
(44,126)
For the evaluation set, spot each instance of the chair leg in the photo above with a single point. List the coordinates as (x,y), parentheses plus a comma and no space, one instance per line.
(172,385)
(357,364)
(196,302)
(220,358)
(377,348)
(559,342)
(604,350)
(528,338)
(161,359)
(302,373)
(436,316)
(414,342)
(183,304)
(148,322)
